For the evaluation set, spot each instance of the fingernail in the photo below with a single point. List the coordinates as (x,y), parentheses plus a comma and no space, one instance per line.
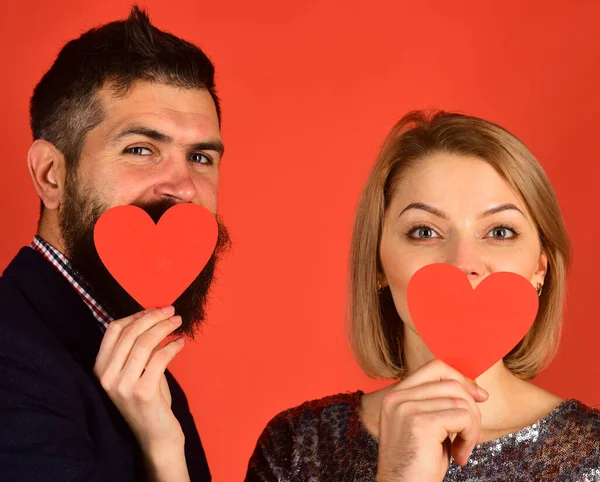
(180,341)
(482,392)
(177,319)
(167,310)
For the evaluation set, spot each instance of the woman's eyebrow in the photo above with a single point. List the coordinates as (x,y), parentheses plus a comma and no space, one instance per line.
(498,209)
(441,214)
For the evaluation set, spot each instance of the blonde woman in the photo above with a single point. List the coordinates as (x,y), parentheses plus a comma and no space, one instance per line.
(446,188)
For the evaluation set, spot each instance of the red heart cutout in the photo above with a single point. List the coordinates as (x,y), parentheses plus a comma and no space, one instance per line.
(155,263)
(470,330)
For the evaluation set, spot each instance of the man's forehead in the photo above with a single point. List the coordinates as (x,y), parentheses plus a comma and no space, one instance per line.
(172,111)
(152,96)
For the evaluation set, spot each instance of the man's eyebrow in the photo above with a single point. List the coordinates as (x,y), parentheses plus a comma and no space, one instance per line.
(441,214)
(212,145)
(141,131)
(215,145)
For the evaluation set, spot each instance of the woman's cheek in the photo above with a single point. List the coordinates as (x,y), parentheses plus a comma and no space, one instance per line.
(517,262)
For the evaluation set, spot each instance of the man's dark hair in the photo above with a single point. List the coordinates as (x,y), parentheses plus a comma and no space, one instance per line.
(64,106)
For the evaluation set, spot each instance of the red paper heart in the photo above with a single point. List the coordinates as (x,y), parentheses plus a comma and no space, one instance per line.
(155,263)
(470,329)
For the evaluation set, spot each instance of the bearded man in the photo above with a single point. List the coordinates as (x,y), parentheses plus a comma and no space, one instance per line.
(127,114)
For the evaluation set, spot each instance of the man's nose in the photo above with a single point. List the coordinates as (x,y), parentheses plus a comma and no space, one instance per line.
(176,180)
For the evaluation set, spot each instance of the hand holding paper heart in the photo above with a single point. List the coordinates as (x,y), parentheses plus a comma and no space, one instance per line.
(470,330)
(155,263)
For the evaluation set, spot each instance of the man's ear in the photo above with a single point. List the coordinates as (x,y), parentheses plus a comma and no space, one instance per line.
(47,169)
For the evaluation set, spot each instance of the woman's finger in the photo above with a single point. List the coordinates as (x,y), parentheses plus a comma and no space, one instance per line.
(456,421)
(464,443)
(437,370)
(415,407)
(432,390)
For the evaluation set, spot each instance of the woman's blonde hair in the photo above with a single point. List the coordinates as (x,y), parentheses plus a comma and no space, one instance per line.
(376,330)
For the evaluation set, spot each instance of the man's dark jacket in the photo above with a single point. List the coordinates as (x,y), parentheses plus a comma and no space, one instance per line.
(56,422)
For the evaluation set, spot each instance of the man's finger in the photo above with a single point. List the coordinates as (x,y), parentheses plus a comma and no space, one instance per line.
(129,334)
(152,377)
(111,337)
(146,347)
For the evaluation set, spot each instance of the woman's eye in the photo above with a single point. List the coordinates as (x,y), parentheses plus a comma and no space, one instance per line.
(424,232)
(200,158)
(138,151)
(502,232)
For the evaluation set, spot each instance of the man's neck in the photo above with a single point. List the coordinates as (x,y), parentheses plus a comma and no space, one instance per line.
(49,231)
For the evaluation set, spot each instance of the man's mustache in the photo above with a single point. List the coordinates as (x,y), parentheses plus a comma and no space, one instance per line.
(156,209)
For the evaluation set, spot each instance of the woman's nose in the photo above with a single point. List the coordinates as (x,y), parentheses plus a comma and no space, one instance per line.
(466,255)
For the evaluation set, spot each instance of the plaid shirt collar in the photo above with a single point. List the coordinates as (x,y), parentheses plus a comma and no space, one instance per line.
(57,259)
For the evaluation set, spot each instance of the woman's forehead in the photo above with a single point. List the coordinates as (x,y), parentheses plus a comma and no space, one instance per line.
(454,180)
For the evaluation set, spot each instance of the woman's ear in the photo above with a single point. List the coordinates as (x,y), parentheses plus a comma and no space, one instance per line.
(541,269)
(382,281)
(47,169)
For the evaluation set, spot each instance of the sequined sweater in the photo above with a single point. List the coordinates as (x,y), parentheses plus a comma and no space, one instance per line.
(325,440)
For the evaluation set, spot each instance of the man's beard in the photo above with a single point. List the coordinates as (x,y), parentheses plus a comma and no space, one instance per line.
(77,219)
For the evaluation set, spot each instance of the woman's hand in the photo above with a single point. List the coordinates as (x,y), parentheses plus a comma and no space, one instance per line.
(426,418)
(131,368)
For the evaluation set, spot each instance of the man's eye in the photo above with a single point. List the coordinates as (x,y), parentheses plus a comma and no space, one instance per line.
(200,158)
(138,151)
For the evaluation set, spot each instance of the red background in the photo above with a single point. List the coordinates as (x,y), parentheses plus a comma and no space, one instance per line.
(309,90)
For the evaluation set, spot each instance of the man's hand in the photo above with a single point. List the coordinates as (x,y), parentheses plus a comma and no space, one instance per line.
(131,368)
